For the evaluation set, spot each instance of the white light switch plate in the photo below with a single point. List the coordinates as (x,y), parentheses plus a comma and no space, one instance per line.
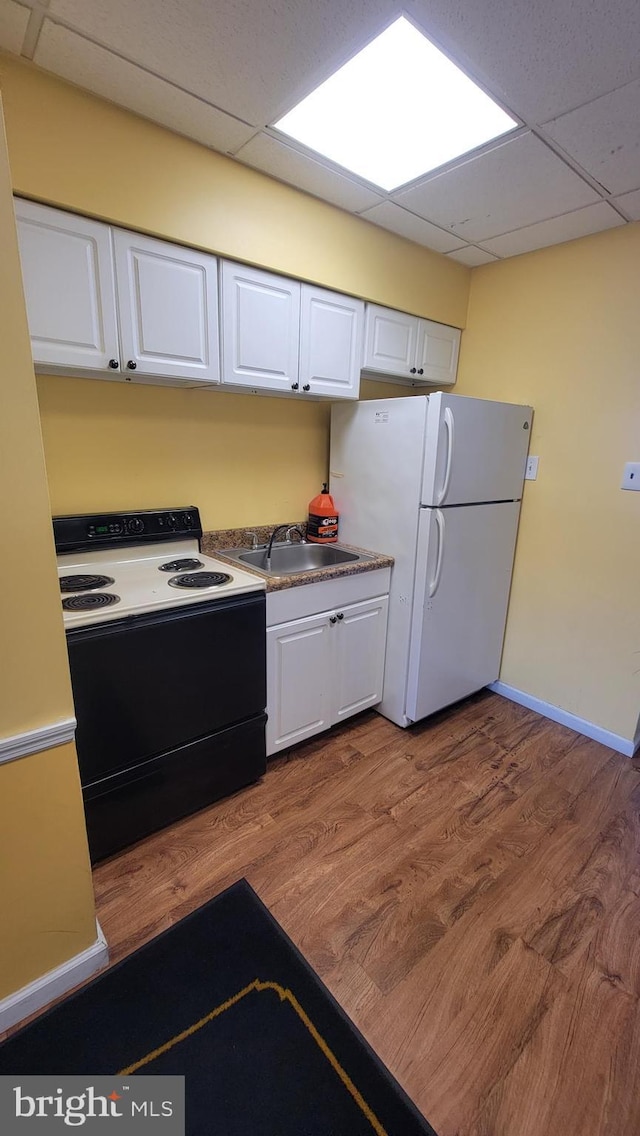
(531,471)
(631,476)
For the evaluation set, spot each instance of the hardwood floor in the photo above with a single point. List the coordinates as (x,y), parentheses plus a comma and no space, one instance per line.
(469,889)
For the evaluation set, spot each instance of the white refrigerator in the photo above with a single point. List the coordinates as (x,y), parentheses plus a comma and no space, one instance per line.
(436,482)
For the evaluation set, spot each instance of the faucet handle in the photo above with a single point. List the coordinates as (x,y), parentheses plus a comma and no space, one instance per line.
(254,538)
(295,528)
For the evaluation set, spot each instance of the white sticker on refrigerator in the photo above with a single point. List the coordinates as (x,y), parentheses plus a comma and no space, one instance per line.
(381,416)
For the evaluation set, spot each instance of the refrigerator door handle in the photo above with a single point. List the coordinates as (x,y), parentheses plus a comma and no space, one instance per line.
(448,422)
(439,519)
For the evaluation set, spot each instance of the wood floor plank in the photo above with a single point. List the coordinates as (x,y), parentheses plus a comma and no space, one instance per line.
(578,1075)
(453,1076)
(469,889)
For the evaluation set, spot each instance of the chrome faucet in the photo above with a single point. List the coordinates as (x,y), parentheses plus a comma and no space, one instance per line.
(289,529)
(254,538)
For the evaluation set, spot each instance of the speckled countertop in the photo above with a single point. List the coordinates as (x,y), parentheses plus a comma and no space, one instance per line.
(214,542)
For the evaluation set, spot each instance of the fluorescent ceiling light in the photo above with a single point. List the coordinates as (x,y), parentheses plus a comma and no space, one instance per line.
(395,111)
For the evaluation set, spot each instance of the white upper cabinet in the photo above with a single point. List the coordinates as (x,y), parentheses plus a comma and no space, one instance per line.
(390,341)
(260,328)
(331,334)
(402,347)
(67,270)
(168,308)
(437,352)
(281,335)
(111,303)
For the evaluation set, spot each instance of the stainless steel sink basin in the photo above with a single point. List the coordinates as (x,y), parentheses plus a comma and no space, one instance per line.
(288,559)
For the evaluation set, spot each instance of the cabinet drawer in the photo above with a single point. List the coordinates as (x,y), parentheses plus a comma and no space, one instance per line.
(309,599)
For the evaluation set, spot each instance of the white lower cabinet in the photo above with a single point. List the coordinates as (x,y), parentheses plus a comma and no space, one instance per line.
(359,656)
(298,664)
(323,668)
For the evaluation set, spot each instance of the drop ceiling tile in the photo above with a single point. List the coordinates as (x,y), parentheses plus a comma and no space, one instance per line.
(472,256)
(391,216)
(252,59)
(288,164)
(604,138)
(581,223)
(92,67)
(13,24)
(515,184)
(630,202)
(542,58)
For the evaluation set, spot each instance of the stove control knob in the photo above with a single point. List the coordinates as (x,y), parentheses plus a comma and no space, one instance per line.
(173,521)
(187,520)
(135,526)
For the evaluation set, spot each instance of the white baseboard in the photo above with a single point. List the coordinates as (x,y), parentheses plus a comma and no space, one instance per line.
(627,746)
(18,1006)
(35,741)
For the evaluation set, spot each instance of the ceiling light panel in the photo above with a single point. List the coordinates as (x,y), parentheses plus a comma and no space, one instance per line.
(395,111)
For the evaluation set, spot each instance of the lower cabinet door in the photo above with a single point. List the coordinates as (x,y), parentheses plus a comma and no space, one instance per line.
(299,677)
(359,660)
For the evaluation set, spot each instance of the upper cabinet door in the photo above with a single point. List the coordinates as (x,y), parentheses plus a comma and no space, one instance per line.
(67,269)
(260,328)
(331,333)
(390,341)
(168,307)
(437,352)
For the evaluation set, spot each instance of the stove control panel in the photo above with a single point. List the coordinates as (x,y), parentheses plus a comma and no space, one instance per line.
(108,530)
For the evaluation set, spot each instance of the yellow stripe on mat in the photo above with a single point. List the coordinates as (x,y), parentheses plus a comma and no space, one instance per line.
(285,995)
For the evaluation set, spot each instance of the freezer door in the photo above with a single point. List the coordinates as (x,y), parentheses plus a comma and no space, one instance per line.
(475,450)
(463,576)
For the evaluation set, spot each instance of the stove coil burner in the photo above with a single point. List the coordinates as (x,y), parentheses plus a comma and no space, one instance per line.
(89,600)
(84,582)
(186,565)
(200,580)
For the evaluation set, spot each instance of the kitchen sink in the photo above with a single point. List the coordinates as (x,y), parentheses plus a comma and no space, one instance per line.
(288,559)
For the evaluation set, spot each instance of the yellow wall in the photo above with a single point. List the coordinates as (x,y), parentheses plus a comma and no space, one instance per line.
(74,150)
(556,328)
(46,903)
(242,459)
(559,329)
(46,897)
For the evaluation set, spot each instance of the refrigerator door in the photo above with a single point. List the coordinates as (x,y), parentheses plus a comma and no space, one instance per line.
(377,454)
(475,450)
(463,575)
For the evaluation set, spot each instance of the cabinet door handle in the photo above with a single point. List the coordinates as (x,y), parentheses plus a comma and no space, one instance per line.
(307,387)
(132,364)
(294,386)
(421,371)
(340,615)
(333,619)
(114,364)
(413,371)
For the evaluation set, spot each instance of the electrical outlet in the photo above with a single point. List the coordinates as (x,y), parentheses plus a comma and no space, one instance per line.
(531,471)
(631,476)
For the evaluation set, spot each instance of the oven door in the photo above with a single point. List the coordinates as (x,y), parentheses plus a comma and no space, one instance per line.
(146,685)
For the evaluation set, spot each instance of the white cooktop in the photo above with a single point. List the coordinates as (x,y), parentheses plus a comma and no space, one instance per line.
(142,586)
